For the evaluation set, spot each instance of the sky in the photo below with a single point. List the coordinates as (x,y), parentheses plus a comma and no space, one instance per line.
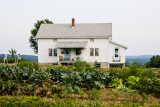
(135,23)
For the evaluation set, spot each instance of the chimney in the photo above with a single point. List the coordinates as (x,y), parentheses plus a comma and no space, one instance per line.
(73,22)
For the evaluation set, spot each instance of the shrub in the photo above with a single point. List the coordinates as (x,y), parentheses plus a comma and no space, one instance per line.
(147,74)
(115,82)
(29,89)
(132,82)
(43,91)
(8,87)
(31,65)
(56,90)
(134,70)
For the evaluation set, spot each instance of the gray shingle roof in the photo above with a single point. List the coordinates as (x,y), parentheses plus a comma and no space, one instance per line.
(89,30)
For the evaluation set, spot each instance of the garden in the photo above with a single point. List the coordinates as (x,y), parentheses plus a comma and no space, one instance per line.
(30,84)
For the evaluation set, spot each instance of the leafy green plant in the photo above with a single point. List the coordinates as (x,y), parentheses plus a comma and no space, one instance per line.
(132,82)
(134,70)
(43,91)
(115,82)
(56,90)
(29,89)
(8,87)
(31,65)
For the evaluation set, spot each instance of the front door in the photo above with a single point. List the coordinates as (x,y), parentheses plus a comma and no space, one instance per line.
(67,54)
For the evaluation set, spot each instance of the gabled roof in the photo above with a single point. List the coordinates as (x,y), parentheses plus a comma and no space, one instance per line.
(89,30)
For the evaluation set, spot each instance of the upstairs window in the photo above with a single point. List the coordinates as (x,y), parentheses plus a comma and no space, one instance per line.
(116,52)
(50,51)
(91,51)
(96,51)
(55,52)
(92,40)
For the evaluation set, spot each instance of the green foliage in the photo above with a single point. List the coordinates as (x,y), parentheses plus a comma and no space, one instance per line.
(32,101)
(115,82)
(56,90)
(154,62)
(43,91)
(79,65)
(24,75)
(29,89)
(94,94)
(147,74)
(32,39)
(144,85)
(8,87)
(134,70)
(30,65)
(12,52)
(88,78)
(132,81)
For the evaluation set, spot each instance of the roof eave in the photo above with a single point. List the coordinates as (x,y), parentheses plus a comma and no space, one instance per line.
(119,44)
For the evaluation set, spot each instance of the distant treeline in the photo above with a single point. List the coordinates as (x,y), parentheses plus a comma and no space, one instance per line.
(154,62)
(25,57)
(141,59)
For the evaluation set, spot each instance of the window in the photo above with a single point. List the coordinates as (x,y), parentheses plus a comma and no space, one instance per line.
(96,51)
(67,51)
(116,52)
(78,51)
(54,40)
(55,52)
(92,40)
(91,51)
(50,51)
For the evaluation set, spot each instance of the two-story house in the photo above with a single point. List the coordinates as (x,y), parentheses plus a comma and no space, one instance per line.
(90,42)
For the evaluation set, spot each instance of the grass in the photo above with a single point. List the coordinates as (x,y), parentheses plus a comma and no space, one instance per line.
(109,97)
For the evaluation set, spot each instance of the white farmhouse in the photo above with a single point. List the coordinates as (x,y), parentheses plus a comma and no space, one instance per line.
(90,42)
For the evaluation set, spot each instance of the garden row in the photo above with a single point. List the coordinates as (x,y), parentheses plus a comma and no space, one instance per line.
(30,79)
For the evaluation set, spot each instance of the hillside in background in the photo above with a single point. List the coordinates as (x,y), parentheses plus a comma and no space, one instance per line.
(141,59)
(26,57)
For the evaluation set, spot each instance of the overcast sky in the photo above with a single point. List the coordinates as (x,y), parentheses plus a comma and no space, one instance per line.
(136,23)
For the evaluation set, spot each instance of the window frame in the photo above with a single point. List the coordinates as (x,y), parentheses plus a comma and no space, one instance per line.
(118,53)
(50,53)
(97,52)
(55,53)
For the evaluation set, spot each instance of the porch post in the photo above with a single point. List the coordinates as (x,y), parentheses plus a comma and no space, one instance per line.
(123,66)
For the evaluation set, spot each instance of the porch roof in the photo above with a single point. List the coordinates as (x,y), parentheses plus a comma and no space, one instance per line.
(75,44)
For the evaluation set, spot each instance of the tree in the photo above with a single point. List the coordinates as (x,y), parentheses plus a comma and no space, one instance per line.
(154,62)
(32,39)
(12,52)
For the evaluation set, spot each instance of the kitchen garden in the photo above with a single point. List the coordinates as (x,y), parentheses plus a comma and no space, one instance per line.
(30,84)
